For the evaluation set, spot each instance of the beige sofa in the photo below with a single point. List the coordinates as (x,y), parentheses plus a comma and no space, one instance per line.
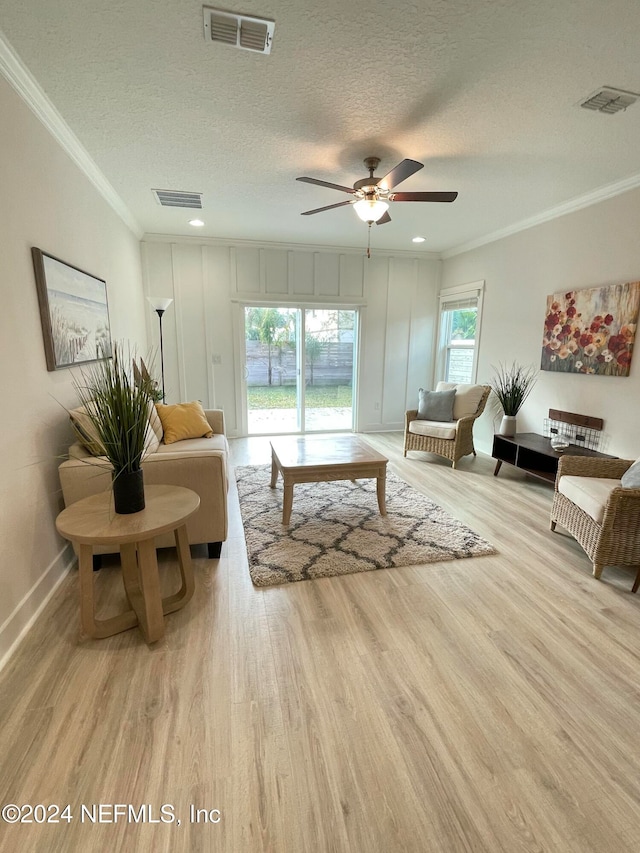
(200,464)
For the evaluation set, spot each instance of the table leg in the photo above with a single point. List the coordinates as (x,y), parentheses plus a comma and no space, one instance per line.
(381,488)
(274,469)
(85,577)
(129,563)
(185,593)
(150,615)
(91,626)
(498,467)
(287,503)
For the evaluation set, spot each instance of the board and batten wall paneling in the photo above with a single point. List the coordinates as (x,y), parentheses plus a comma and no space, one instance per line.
(327,274)
(249,280)
(352,276)
(422,332)
(220,319)
(212,283)
(190,323)
(397,347)
(399,305)
(275,264)
(301,267)
(373,346)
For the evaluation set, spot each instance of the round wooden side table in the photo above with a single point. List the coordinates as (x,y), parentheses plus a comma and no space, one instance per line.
(93,521)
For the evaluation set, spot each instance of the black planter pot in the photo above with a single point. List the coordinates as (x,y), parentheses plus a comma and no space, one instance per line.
(128,492)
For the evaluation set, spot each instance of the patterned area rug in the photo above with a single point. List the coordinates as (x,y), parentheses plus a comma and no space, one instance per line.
(336,529)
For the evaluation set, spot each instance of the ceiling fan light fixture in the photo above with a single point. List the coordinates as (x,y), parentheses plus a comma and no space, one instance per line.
(370,210)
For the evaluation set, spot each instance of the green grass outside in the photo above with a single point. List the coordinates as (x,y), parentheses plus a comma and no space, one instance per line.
(284,397)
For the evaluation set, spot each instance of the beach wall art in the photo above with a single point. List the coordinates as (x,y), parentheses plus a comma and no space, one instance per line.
(591,332)
(73,311)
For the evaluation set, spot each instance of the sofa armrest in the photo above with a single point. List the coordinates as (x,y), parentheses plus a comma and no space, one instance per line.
(588,466)
(216,420)
(84,475)
(622,512)
(205,472)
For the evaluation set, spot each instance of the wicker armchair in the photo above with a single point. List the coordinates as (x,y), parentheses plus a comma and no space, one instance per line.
(454,448)
(615,541)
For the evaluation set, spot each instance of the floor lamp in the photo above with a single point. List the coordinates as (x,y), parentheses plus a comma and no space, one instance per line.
(160,305)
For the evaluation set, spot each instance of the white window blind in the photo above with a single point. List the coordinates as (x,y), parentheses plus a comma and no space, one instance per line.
(458,304)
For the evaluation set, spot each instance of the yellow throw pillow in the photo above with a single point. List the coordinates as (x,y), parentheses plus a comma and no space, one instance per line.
(182,421)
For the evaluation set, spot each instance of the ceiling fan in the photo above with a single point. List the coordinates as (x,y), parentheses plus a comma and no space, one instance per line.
(371,196)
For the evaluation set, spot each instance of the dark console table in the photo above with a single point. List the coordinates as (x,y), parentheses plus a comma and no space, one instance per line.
(533,453)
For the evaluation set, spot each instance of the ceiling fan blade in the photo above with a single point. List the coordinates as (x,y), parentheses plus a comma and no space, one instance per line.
(400,173)
(327,184)
(384,218)
(328,207)
(424,196)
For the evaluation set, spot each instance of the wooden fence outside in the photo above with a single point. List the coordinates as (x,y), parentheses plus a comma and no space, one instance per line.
(333,364)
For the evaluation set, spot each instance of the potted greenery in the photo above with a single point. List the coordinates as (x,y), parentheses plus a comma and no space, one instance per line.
(117,402)
(512,385)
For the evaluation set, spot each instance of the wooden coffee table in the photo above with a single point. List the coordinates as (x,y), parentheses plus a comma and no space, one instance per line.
(93,521)
(321,460)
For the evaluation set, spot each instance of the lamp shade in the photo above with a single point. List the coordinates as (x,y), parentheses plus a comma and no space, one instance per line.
(159,303)
(370,210)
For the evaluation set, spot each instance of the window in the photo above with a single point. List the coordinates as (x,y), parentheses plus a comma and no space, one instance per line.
(459,333)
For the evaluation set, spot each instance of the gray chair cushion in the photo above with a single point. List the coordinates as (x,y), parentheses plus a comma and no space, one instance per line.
(435,405)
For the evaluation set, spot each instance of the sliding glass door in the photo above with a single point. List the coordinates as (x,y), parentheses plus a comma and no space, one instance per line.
(285,346)
(329,344)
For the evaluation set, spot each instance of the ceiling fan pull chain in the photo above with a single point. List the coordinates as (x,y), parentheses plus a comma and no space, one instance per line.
(369,241)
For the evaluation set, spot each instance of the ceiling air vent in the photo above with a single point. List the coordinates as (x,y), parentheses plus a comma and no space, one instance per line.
(173,198)
(238,30)
(609,100)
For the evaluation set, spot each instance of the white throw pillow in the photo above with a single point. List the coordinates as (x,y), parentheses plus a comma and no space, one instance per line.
(631,477)
(467,398)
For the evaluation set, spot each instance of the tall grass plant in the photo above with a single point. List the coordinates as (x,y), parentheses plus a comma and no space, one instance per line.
(512,385)
(118,404)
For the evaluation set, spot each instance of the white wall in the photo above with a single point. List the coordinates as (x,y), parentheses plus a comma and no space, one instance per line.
(46,202)
(589,248)
(211,282)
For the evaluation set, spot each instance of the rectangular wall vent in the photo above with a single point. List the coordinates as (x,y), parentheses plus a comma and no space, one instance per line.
(173,198)
(609,100)
(241,31)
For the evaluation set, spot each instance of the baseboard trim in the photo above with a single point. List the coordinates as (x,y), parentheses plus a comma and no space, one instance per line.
(391,427)
(18,624)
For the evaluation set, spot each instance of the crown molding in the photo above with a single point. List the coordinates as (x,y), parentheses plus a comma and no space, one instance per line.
(578,203)
(288,247)
(20,78)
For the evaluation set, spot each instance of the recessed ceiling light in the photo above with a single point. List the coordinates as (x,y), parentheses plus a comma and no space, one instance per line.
(418,239)
(197,223)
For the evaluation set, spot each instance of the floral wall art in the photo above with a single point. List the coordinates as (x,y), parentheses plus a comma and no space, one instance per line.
(591,331)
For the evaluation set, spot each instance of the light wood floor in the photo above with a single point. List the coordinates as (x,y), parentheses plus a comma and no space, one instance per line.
(487,704)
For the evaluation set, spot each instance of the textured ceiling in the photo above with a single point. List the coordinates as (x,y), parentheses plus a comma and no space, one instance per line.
(483,92)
